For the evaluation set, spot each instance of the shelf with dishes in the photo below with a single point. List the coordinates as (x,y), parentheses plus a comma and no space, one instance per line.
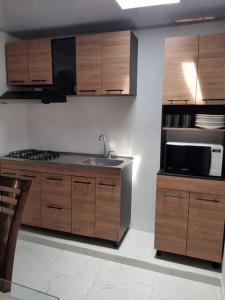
(195,122)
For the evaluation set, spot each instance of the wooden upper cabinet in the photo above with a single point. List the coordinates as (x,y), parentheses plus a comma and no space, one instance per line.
(119,54)
(180,70)
(17,63)
(89,64)
(206,226)
(171,221)
(40,61)
(211,69)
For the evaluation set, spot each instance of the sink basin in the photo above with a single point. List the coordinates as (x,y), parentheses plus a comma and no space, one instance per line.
(102,162)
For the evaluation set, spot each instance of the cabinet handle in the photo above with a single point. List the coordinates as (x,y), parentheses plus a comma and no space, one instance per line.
(28,176)
(87,91)
(38,80)
(6,173)
(119,90)
(107,184)
(54,207)
(82,182)
(52,178)
(180,100)
(208,200)
(174,196)
(17,81)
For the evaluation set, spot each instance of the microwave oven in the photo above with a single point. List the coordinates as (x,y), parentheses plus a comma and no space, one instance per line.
(198,159)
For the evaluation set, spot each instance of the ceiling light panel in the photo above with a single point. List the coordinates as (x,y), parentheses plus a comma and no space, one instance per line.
(127,4)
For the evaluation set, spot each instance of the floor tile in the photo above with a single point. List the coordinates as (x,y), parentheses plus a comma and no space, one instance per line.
(115,276)
(78,265)
(173,288)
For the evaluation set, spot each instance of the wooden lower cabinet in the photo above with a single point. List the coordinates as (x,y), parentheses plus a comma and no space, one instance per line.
(206,226)
(171,221)
(56,202)
(83,206)
(188,222)
(31,214)
(107,217)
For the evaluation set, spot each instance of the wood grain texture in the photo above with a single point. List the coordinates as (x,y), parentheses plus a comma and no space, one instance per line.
(89,64)
(116,55)
(17,63)
(107,218)
(206,226)
(56,202)
(180,70)
(191,184)
(211,69)
(40,61)
(171,221)
(83,206)
(32,211)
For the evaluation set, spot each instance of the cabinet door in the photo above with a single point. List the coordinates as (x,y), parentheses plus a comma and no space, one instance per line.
(107,218)
(40,61)
(83,206)
(180,70)
(171,221)
(17,63)
(32,211)
(211,69)
(206,227)
(89,64)
(56,202)
(116,53)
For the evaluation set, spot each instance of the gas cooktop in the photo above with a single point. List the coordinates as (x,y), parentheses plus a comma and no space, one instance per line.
(33,154)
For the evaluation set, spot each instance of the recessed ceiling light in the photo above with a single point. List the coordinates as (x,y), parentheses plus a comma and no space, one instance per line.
(126,4)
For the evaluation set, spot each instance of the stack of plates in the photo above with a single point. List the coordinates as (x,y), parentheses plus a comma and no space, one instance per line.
(210,121)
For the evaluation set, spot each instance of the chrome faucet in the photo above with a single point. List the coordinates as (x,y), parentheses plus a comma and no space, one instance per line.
(107,152)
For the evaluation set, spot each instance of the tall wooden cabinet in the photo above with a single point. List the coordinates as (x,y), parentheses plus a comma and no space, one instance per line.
(211,69)
(180,70)
(89,64)
(29,62)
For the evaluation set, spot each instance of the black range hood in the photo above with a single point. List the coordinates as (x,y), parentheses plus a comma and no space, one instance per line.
(63,72)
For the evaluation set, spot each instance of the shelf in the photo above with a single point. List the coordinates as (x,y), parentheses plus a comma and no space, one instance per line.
(192,129)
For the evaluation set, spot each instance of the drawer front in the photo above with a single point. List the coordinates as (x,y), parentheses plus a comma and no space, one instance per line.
(206,226)
(10,173)
(32,210)
(107,217)
(83,206)
(56,189)
(194,185)
(171,221)
(56,217)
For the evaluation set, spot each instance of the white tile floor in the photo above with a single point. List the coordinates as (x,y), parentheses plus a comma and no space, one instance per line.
(72,276)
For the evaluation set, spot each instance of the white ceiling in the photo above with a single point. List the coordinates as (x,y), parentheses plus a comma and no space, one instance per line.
(27,18)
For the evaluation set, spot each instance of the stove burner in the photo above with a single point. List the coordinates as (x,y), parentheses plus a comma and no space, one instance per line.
(32,154)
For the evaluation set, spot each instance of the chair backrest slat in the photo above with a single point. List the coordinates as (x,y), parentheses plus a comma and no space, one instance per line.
(13,196)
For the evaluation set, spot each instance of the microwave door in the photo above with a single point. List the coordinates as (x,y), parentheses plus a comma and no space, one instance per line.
(189,160)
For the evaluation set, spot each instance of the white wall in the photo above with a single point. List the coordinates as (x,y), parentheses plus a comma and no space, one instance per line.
(13,117)
(132,125)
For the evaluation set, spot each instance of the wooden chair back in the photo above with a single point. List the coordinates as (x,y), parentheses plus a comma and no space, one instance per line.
(13,195)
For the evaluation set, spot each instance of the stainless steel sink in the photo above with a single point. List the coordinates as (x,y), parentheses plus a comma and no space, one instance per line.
(102,162)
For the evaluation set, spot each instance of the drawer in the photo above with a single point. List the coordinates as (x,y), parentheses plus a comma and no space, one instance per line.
(56,189)
(194,185)
(56,217)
